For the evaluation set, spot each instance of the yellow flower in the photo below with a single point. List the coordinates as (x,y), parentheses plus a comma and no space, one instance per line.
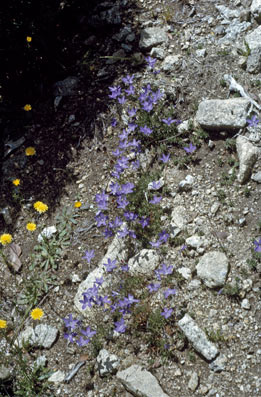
(28,39)
(37,314)
(5,238)
(27,108)
(31,226)
(30,151)
(2,323)
(40,207)
(16,182)
(77,204)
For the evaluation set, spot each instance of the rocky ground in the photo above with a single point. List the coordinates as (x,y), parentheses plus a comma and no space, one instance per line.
(210,208)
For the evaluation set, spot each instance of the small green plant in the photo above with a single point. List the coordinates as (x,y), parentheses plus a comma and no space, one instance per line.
(232,290)
(230,145)
(221,196)
(215,336)
(223,83)
(247,192)
(192,356)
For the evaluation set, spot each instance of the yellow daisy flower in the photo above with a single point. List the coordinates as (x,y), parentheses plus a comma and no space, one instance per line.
(77,204)
(28,39)
(31,226)
(40,207)
(30,151)
(2,323)
(5,238)
(16,182)
(37,314)
(27,107)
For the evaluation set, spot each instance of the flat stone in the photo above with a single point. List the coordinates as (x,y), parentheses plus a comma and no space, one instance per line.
(145,262)
(42,335)
(57,377)
(198,338)
(140,382)
(151,37)
(219,364)
(256,177)
(223,114)
(248,155)
(253,39)
(193,381)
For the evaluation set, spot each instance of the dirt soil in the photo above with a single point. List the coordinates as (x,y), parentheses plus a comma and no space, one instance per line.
(73,162)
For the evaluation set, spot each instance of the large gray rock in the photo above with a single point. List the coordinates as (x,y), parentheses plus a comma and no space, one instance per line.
(42,335)
(140,382)
(253,39)
(145,262)
(151,37)
(223,114)
(213,268)
(247,154)
(254,61)
(198,338)
(107,363)
(256,10)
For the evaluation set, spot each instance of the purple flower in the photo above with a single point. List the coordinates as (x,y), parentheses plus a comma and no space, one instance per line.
(120,326)
(88,332)
(124,135)
(130,300)
(153,287)
(122,99)
(123,162)
(132,127)
(136,164)
(113,122)
(157,244)
(165,270)
(183,247)
(155,200)
(163,236)
(125,268)
(130,90)
(99,281)
(82,342)
(253,121)
(123,233)
(155,185)
(151,61)
(146,130)
(144,222)
(165,158)
(156,96)
(71,323)
(123,144)
(116,152)
(115,188)
(117,222)
(166,312)
(101,219)
(115,91)
(130,216)
(132,234)
(128,79)
(169,292)
(89,255)
(122,202)
(70,336)
(127,188)
(101,200)
(147,105)
(168,121)
(110,265)
(257,245)
(190,149)
(132,112)
(108,232)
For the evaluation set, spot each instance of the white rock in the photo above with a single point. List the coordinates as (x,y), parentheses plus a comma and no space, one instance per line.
(145,262)
(170,62)
(185,272)
(47,232)
(57,377)
(193,381)
(213,268)
(245,304)
(107,363)
(197,337)
(42,335)
(248,154)
(151,37)
(140,382)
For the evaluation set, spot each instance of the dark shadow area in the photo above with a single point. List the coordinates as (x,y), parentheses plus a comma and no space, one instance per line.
(42,43)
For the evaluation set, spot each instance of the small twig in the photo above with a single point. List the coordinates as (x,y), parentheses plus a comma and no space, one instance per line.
(74,371)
